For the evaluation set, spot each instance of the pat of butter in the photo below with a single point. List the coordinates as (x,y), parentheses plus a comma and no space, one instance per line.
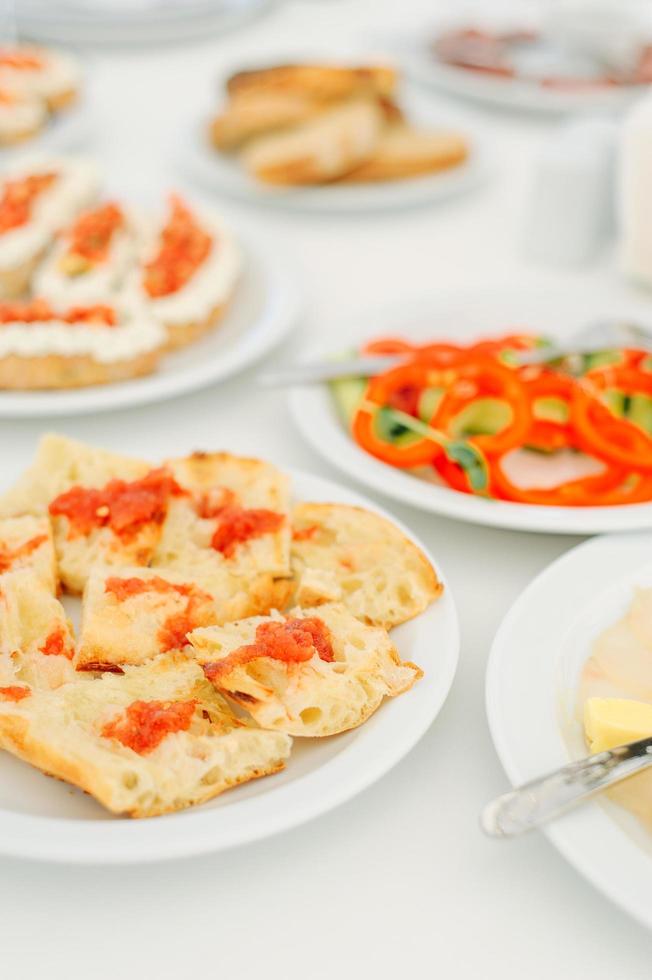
(614,721)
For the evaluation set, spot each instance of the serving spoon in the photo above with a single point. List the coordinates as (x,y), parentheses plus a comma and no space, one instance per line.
(541,800)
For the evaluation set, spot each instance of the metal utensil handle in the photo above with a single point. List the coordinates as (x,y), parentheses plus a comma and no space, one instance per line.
(542,799)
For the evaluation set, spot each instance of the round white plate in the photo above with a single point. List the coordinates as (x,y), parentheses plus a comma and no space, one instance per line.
(264,308)
(46,819)
(511,93)
(466,316)
(531,691)
(224,175)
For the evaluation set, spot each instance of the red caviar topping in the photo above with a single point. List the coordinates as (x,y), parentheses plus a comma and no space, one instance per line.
(145,724)
(40,311)
(183,247)
(57,644)
(123,507)
(20,59)
(18,196)
(8,556)
(237,524)
(14,693)
(90,237)
(294,641)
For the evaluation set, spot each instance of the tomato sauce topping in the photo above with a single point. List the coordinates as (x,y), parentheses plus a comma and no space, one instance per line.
(184,245)
(145,724)
(14,693)
(304,533)
(173,634)
(7,97)
(90,238)
(294,641)
(57,644)
(40,311)
(239,524)
(8,556)
(123,507)
(18,197)
(23,60)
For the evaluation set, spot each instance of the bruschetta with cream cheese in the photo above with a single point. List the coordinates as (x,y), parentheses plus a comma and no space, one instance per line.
(41,72)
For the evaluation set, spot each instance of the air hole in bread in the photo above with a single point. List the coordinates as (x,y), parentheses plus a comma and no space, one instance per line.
(212,776)
(130,780)
(311,716)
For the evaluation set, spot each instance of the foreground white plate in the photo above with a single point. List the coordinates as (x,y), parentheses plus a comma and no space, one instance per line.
(224,175)
(531,691)
(466,316)
(264,308)
(46,819)
(511,93)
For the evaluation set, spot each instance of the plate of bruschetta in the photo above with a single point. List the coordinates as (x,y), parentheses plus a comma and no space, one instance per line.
(330,136)
(173,630)
(106,304)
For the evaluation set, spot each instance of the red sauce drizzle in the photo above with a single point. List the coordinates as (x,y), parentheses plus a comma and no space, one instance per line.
(184,245)
(57,644)
(294,641)
(14,693)
(40,311)
(145,724)
(238,524)
(8,556)
(173,634)
(18,197)
(121,506)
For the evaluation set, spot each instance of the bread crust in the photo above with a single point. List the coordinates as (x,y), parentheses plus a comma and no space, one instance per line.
(325,83)
(55,371)
(404,152)
(182,334)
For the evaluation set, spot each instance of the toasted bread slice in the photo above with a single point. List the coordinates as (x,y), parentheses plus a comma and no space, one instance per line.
(345,671)
(105,508)
(27,542)
(321,83)
(351,555)
(252,114)
(229,531)
(157,739)
(130,615)
(403,151)
(320,150)
(36,637)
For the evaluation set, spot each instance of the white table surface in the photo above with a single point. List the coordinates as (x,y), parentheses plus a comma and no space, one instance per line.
(400,880)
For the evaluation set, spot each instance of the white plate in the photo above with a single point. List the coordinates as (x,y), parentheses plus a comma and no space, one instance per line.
(45,819)
(224,175)
(466,316)
(264,308)
(531,691)
(511,93)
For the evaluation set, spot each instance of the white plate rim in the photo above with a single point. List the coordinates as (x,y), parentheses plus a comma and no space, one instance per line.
(316,419)
(124,841)
(283,307)
(589,838)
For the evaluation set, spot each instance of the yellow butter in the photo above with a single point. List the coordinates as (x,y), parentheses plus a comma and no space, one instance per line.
(614,721)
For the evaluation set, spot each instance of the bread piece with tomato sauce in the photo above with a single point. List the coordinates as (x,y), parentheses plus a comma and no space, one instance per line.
(26,542)
(105,508)
(36,638)
(38,196)
(229,531)
(22,116)
(315,672)
(130,615)
(188,271)
(351,555)
(155,739)
(41,72)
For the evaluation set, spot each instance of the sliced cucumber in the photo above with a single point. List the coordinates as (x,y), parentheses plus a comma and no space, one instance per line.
(348,393)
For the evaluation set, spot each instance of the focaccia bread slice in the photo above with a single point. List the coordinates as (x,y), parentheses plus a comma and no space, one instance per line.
(320,150)
(351,555)
(36,638)
(318,672)
(105,508)
(254,113)
(229,531)
(320,83)
(130,615)
(403,151)
(156,739)
(27,542)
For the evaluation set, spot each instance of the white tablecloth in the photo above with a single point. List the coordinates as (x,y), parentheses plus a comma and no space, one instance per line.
(400,881)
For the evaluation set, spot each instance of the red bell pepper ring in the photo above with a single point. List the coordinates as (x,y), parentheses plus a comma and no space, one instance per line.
(604,434)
